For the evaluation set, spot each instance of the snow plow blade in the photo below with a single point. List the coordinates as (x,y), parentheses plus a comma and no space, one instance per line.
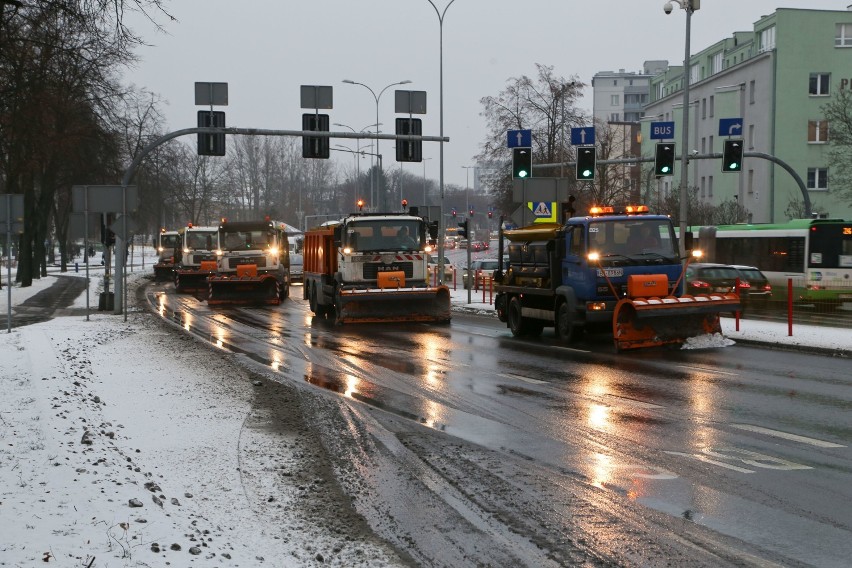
(243,289)
(193,280)
(163,271)
(397,304)
(655,321)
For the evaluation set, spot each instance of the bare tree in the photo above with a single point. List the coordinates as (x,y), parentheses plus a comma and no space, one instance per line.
(546,105)
(838,113)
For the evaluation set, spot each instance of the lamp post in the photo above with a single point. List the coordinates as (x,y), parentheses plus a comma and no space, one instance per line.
(358,145)
(424,181)
(441,230)
(467,186)
(377,98)
(689,6)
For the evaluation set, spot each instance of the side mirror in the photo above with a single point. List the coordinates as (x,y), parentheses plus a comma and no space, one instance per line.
(688,243)
(338,235)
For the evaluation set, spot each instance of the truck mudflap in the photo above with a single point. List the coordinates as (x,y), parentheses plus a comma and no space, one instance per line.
(245,287)
(394,304)
(189,280)
(655,321)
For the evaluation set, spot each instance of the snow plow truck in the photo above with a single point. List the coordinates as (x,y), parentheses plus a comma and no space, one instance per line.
(618,270)
(167,247)
(372,267)
(253,264)
(197,260)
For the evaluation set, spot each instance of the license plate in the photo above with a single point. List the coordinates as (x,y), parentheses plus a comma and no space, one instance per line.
(611,272)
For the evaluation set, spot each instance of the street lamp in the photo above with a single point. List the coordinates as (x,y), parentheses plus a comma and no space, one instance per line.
(377,97)
(689,6)
(358,144)
(467,186)
(441,113)
(424,181)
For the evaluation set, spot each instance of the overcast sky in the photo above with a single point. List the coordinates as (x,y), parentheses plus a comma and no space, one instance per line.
(266,49)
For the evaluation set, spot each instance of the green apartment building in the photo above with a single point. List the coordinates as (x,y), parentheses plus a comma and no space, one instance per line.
(775,78)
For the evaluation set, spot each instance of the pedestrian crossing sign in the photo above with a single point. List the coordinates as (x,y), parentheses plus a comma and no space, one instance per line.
(543,211)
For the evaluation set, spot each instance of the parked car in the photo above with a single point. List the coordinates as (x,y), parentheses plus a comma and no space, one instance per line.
(754,285)
(479,267)
(432,267)
(707,277)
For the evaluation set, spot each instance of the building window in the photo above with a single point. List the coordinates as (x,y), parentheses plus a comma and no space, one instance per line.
(703,108)
(703,187)
(843,35)
(750,183)
(615,82)
(630,82)
(818,131)
(614,100)
(818,178)
(712,106)
(767,39)
(751,137)
(717,62)
(710,187)
(710,147)
(694,74)
(818,84)
(615,117)
(703,145)
(751,89)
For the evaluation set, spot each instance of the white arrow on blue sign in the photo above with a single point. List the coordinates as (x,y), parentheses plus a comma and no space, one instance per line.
(583,136)
(730,127)
(519,138)
(662,130)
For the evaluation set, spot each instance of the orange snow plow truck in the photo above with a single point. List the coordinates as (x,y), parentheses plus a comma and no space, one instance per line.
(372,268)
(617,270)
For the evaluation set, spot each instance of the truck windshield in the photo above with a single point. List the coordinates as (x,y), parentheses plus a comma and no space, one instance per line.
(384,235)
(168,241)
(200,240)
(633,237)
(246,240)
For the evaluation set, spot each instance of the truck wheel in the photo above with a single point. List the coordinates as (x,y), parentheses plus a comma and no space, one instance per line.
(312,298)
(517,323)
(567,328)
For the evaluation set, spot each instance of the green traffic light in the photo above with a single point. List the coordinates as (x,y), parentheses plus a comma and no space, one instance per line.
(665,169)
(522,173)
(586,173)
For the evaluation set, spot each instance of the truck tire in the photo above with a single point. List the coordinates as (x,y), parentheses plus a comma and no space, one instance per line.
(567,327)
(518,324)
(312,298)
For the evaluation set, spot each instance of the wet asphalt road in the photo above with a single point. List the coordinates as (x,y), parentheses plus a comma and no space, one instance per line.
(482,446)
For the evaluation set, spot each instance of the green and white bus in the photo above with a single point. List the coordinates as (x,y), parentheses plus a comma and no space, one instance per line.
(815,253)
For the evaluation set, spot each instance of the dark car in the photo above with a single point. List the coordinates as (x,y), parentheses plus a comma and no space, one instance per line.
(708,278)
(754,285)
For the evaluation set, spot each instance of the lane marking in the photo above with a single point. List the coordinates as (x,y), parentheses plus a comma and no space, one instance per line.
(708,460)
(634,402)
(788,436)
(525,379)
(706,370)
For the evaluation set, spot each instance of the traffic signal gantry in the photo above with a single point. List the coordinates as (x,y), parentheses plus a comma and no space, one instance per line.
(732,155)
(521,162)
(664,159)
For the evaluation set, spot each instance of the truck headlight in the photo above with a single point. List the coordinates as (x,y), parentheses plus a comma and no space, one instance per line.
(273,251)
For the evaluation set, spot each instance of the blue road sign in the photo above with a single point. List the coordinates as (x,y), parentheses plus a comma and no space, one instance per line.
(662,130)
(583,136)
(519,138)
(730,127)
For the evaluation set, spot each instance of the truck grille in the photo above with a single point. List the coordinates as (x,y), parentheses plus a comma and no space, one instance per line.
(197,258)
(372,269)
(260,261)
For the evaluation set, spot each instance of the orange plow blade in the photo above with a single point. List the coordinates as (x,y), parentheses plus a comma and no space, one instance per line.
(402,304)
(243,290)
(654,321)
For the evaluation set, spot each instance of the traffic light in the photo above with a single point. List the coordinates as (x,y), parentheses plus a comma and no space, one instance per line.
(664,159)
(586,156)
(409,150)
(732,156)
(470,212)
(490,214)
(454,211)
(211,144)
(315,147)
(463,229)
(522,163)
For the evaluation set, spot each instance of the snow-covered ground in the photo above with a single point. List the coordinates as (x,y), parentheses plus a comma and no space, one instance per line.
(104,463)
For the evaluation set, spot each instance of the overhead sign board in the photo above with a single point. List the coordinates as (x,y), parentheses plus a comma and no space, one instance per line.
(410,102)
(316,96)
(730,127)
(519,138)
(583,136)
(104,198)
(215,94)
(662,130)
(121,223)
